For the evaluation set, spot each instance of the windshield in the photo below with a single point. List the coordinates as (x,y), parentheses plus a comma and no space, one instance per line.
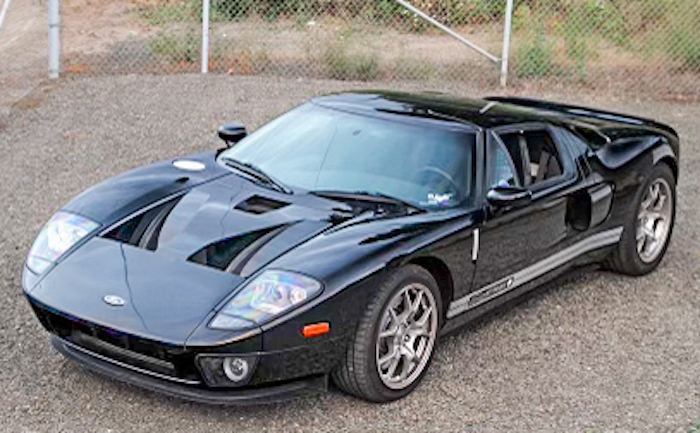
(321,149)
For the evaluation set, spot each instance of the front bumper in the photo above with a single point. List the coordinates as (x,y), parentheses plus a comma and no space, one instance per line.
(149,380)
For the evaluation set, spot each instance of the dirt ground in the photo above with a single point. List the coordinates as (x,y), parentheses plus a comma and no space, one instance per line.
(592,352)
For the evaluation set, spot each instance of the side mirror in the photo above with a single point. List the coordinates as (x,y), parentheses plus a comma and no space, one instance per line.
(232,133)
(514,197)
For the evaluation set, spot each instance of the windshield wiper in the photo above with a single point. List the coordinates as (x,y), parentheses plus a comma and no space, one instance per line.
(256,173)
(368,197)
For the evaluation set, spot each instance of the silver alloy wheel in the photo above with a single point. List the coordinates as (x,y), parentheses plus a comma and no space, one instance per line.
(406,336)
(654,220)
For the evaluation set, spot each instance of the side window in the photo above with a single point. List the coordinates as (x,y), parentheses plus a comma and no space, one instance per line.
(534,155)
(503,170)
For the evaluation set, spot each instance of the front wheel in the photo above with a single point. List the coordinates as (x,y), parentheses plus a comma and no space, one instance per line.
(647,232)
(395,339)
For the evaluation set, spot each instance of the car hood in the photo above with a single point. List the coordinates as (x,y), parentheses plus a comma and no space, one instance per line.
(172,287)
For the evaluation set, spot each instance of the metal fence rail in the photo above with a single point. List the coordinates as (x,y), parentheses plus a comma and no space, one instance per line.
(636,45)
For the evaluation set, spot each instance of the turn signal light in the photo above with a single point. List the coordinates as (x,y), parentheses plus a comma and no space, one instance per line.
(316,329)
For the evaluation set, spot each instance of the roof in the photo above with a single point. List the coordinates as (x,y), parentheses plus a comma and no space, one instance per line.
(596,125)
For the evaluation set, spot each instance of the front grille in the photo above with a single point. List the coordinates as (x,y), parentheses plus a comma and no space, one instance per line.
(161,358)
(123,355)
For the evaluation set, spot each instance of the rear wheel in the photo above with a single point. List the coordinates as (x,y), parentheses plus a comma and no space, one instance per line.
(647,231)
(395,339)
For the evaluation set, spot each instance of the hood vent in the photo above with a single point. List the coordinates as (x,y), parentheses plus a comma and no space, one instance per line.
(143,230)
(231,255)
(260,205)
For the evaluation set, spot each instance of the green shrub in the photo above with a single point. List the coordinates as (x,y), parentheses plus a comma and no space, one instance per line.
(270,9)
(177,48)
(578,29)
(350,67)
(687,47)
(171,13)
(232,9)
(535,57)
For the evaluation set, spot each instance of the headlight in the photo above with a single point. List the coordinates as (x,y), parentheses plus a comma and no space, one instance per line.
(61,232)
(267,296)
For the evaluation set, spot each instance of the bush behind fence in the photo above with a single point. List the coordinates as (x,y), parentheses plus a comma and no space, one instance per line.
(646,44)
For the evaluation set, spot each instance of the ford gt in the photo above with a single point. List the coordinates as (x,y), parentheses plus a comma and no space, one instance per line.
(341,240)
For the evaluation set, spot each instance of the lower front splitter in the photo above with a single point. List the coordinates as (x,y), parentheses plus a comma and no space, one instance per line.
(244,396)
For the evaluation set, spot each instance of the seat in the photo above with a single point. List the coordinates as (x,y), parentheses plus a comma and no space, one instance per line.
(548,167)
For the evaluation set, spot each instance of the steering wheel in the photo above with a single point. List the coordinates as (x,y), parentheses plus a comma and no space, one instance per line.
(443,174)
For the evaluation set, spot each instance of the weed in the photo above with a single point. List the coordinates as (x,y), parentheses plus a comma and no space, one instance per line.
(178,48)
(535,58)
(412,69)
(340,65)
(171,13)
(694,427)
(577,33)
(240,61)
(232,10)
(687,47)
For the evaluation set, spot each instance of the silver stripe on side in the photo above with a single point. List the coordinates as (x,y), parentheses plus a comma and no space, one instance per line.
(475,245)
(528,274)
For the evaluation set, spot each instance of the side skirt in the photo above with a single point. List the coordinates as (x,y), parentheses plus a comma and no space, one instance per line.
(511,282)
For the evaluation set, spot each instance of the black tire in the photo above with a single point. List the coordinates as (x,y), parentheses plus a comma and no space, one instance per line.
(358,373)
(626,259)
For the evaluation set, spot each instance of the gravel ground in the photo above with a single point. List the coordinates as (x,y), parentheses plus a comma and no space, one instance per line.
(592,352)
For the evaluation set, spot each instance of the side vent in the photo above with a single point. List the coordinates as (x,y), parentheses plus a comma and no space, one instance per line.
(231,255)
(144,229)
(260,205)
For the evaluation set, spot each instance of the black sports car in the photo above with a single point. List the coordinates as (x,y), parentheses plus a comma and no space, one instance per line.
(341,239)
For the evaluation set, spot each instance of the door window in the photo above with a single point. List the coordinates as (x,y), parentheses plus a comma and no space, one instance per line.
(535,156)
(503,169)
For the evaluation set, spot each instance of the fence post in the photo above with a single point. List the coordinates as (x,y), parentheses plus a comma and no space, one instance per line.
(206,5)
(54,38)
(506,43)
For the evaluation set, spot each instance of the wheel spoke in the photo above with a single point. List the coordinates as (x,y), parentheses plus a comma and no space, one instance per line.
(416,332)
(640,243)
(394,318)
(388,357)
(405,368)
(407,300)
(660,202)
(415,306)
(409,352)
(654,192)
(650,216)
(422,321)
(391,371)
(389,332)
(649,233)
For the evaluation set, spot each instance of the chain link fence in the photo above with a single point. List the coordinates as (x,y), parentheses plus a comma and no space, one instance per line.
(23,48)
(649,46)
(640,45)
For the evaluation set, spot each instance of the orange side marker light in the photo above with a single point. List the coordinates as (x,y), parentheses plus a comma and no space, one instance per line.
(316,329)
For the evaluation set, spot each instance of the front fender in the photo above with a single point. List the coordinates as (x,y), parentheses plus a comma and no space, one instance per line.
(352,261)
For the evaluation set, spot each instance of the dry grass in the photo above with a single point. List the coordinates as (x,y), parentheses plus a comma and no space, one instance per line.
(34,99)
(103,36)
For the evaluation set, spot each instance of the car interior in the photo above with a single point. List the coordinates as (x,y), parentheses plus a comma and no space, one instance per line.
(534,155)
